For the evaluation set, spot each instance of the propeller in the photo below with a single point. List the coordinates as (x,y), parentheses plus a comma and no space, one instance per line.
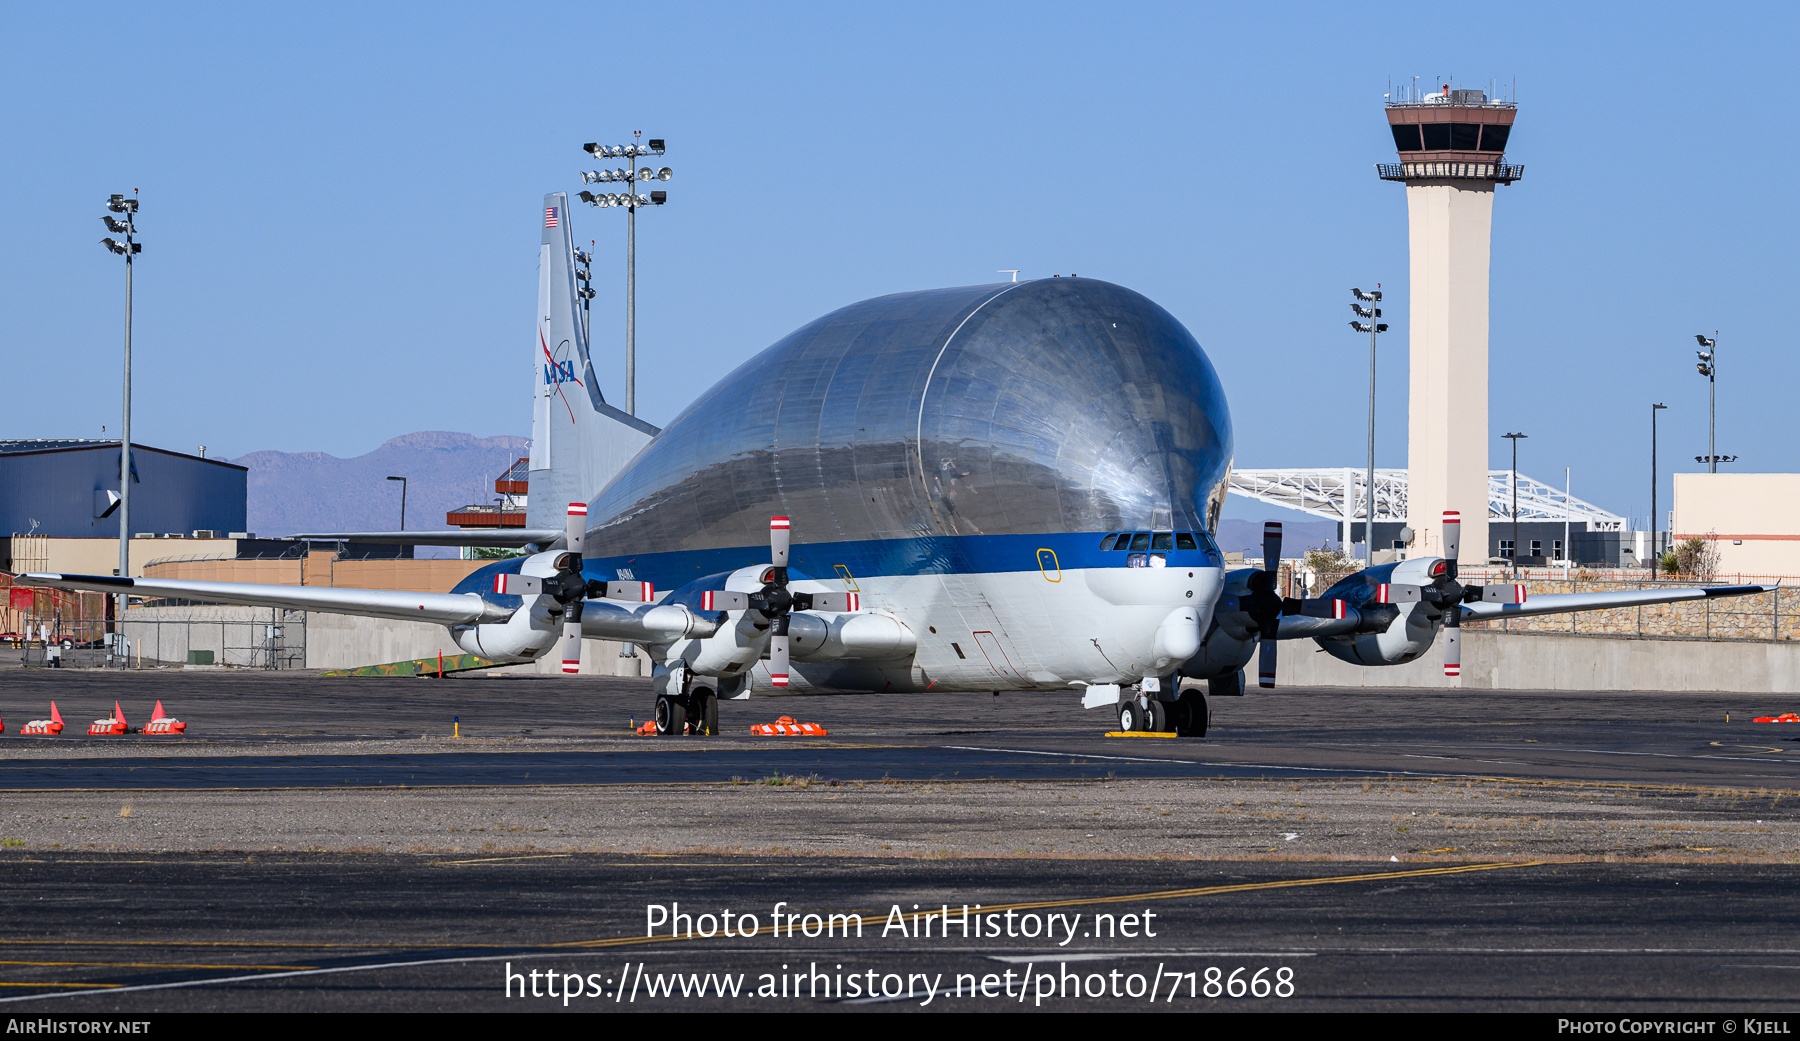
(1449,594)
(1264,605)
(775,603)
(1453,615)
(570,588)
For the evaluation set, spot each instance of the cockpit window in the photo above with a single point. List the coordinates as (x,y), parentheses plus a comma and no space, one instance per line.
(1106,542)
(1185,540)
(1162,541)
(1140,542)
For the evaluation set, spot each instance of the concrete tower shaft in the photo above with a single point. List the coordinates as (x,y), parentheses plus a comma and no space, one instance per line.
(1451,147)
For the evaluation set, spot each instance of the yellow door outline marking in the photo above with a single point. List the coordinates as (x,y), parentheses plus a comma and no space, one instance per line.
(849,580)
(1054,565)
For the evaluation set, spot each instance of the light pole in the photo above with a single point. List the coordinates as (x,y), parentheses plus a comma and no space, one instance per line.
(631,200)
(129,249)
(1514,438)
(1709,368)
(1655,550)
(1373,327)
(402,481)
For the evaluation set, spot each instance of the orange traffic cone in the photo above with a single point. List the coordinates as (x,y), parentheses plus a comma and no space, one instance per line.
(163,723)
(786,727)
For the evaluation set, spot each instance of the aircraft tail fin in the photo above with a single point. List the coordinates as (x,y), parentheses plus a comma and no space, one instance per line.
(578,441)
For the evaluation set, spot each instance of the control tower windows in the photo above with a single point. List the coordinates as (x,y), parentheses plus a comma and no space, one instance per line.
(1450,137)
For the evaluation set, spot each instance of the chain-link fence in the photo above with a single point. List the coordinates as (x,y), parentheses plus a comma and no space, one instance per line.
(252,638)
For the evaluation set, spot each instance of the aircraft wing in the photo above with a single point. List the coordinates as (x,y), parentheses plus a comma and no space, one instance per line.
(1556,603)
(442,608)
(507,537)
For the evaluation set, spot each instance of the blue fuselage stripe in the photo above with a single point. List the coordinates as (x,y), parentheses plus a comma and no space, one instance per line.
(860,559)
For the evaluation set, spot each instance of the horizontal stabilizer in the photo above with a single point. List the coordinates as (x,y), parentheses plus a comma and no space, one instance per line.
(511,538)
(442,608)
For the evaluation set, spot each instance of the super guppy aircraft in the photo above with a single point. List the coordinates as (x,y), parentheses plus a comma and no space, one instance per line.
(997,487)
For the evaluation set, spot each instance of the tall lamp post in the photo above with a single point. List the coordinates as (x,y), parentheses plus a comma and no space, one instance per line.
(1655,550)
(129,249)
(402,481)
(1514,438)
(1374,328)
(630,200)
(1709,367)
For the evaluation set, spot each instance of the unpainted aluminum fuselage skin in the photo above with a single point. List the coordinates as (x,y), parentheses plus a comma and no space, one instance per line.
(956,456)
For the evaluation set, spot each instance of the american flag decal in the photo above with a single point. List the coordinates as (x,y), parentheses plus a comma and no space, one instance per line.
(549,216)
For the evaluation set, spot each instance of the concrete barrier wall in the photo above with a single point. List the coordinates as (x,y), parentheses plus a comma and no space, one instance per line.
(337,641)
(235,635)
(1543,661)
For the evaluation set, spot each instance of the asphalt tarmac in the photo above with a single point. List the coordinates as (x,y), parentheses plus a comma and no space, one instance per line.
(289,933)
(1451,922)
(280,730)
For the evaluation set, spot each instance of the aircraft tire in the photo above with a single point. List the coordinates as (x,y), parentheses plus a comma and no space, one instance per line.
(703,711)
(1131,717)
(1190,716)
(1157,718)
(671,716)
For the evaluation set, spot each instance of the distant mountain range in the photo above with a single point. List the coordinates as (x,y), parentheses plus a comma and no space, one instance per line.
(311,491)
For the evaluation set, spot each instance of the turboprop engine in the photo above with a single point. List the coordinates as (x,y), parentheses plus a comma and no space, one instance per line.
(762,611)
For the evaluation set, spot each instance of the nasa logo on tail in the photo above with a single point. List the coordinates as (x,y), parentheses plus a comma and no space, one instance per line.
(560,372)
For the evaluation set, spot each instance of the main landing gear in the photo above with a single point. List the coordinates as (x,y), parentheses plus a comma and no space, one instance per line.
(696,713)
(1186,716)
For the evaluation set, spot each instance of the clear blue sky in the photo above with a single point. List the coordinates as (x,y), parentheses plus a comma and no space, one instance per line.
(340,204)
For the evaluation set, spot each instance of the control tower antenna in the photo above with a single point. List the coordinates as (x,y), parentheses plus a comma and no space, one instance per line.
(1452,148)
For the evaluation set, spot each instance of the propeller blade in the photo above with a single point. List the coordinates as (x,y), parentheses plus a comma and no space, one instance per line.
(778,541)
(722,600)
(778,654)
(571,638)
(1506,594)
(1266,665)
(1394,593)
(518,585)
(1452,539)
(840,602)
(577,530)
(1271,545)
(635,592)
(1453,649)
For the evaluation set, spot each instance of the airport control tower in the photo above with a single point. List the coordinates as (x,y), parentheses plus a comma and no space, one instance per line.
(1451,146)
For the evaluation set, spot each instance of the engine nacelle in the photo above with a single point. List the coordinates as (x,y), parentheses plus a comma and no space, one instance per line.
(862,634)
(526,636)
(1413,628)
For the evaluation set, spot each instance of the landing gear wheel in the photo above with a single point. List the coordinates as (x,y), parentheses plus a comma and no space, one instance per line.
(1131,718)
(703,712)
(671,716)
(1190,714)
(1157,718)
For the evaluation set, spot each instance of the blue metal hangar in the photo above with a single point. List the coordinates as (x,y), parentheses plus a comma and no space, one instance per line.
(69,488)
